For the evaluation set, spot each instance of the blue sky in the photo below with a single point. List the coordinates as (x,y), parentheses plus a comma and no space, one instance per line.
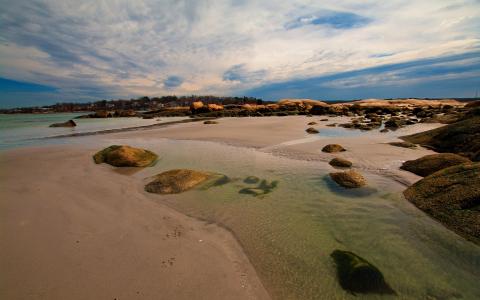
(66,50)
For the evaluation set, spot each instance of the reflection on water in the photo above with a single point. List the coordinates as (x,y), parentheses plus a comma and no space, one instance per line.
(290,232)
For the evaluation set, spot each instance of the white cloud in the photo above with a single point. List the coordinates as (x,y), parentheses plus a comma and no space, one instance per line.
(133,47)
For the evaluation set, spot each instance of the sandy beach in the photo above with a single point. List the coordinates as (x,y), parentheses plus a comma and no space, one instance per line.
(73,229)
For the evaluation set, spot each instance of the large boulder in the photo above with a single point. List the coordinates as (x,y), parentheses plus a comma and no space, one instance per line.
(69,123)
(176,181)
(340,162)
(125,156)
(429,164)
(356,275)
(332,148)
(462,138)
(452,196)
(349,179)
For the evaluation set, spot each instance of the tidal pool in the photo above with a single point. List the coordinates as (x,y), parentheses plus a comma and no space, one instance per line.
(289,233)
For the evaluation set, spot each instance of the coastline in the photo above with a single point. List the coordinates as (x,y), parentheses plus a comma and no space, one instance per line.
(83,231)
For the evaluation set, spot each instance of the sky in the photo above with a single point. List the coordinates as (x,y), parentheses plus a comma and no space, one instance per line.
(77,51)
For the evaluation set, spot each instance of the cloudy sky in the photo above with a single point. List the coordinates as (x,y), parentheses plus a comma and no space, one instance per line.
(63,50)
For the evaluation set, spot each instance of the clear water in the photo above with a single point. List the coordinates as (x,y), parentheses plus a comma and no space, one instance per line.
(290,233)
(25,129)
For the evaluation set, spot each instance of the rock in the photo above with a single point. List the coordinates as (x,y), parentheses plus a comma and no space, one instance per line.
(210,122)
(349,179)
(340,162)
(384,130)
(102,114)
(312,123)
(429,164)
(125,156)
(357,275)
(452,196)
(69,123)
(332,148)
(262,189)
(251,179)
(196,105)
(332,125)
(312,130)
(462,138)
(393,123)
(324,120)
(176,181)
(403,145)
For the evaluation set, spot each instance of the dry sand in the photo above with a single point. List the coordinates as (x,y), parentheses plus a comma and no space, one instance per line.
(71,229)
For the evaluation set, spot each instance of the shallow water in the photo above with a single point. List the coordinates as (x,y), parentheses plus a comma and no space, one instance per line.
(17,130)
(289,233)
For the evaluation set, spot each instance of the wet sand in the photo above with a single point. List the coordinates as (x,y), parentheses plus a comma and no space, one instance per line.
(71,229)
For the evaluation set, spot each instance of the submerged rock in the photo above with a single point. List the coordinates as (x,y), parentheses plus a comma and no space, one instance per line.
(357,275)
(340,162)
(251,179)
(312,130)
(349,179)
(262,189)
(331,148)
(176,181)
(452,196)
(403,145)
(69,123)
(125,156)
(429,164)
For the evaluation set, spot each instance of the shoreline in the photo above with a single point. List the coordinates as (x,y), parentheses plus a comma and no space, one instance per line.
(131,231)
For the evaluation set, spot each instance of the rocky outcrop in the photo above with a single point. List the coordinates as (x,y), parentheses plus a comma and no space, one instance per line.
(176,181)
(125,156)
(429,164)
(452,196)
(462,138)
(69,123)
(340,162)
(349,179)
(332,148)
(357,275)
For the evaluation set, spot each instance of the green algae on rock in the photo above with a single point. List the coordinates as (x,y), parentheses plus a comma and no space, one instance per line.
(262,189)
(125,156)
(429,164)
(452,196)
(176,181)
(357,275)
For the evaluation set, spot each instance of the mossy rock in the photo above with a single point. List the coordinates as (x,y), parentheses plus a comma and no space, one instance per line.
(125,156)
(452,196)
(332,148)
(429,164)
(251,179)
(312,130)
(263,188)
(403,145)
(176,181)
(357,275)
(349,179)
(462,138)
(340,162)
